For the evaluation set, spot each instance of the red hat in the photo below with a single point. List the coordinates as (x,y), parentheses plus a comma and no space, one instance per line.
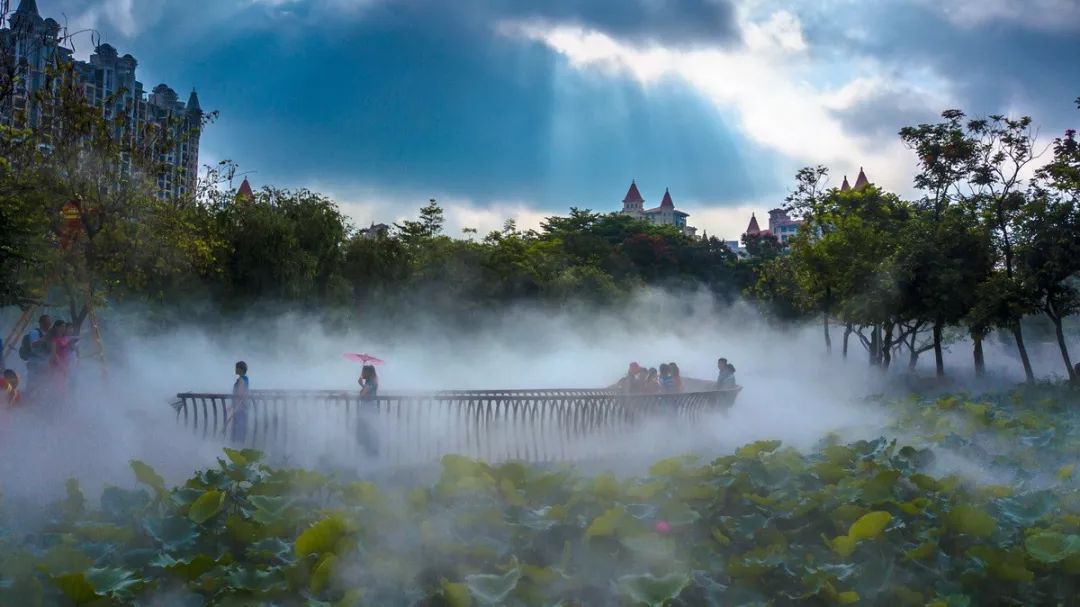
(635,367)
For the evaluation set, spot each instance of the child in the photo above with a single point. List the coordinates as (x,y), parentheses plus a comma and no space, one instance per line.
(9,388)
(240,403)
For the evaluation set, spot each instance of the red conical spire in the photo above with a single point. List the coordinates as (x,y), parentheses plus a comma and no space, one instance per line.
(667,202)
(753,228)
(245,191)
(861,182)
(845,186)
(633,195)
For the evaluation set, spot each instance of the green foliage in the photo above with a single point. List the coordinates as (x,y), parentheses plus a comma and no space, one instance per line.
(863,522)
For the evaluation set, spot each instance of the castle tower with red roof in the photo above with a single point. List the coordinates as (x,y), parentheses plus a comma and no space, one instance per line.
(245,192)
(861,181)
(665,214)
(633,203)
(753,228)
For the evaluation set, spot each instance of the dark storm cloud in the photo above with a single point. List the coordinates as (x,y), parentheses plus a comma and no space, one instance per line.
(670,22)
(414,96)
(994,67)
(880,116)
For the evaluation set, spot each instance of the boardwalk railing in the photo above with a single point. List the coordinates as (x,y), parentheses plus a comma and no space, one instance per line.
(495,425)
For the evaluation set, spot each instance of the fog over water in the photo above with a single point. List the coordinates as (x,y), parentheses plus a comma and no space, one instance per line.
(792,390)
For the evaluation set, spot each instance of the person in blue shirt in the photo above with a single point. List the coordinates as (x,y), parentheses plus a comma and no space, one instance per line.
(238,418)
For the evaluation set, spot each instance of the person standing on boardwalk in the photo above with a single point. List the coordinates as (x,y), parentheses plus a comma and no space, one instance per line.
(238,417)
(369,391)
(34,350)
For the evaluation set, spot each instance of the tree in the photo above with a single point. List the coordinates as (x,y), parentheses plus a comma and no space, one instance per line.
(429,225)
(979,165)
(24,224)
(762,247)
(940,262)
(1048,259)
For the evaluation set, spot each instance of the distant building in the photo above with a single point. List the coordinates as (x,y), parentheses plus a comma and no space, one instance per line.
(783,227)
(31,47)
(375,231)
(666,214)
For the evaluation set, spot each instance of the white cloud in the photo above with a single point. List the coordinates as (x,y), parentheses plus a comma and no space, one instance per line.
(364,205)
(767,84)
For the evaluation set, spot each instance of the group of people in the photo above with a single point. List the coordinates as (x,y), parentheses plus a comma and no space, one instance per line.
(49,351)
(639,380)
(667,379)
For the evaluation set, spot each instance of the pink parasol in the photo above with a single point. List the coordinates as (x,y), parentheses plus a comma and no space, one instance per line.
(366,359)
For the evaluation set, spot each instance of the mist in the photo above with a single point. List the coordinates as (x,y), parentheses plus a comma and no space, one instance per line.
(791,391)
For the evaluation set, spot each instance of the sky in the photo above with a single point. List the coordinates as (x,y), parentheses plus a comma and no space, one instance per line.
(523,108)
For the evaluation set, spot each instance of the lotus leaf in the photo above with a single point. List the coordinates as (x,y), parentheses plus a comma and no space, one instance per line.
(971,521)
(208,505)
(243,457)
(188,569)
(606,524)
(1051,547)
(64,558)
(744,529)
(149,477)
(172,532)
(76,587)
(650,549)
(923,551)
(510,493)
(493,589)
(321,537)
(847,597)
(869,526)
(650,590)
(257,581)
(456,595)
(321,574)
(758,448)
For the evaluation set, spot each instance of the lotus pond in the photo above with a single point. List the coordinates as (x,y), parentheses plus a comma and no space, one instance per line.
(897,520)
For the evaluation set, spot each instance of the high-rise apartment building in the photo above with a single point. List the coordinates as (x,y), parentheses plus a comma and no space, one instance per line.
(33,48)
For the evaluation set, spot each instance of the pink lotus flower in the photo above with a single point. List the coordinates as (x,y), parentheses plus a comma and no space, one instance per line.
(663,527)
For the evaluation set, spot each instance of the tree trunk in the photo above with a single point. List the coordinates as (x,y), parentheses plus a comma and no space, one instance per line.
(939,361)
(1018,334)
(847,334)
(828,338)
(913,359)
(886,347)
(1069,371)
(875,346)
(980,361)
